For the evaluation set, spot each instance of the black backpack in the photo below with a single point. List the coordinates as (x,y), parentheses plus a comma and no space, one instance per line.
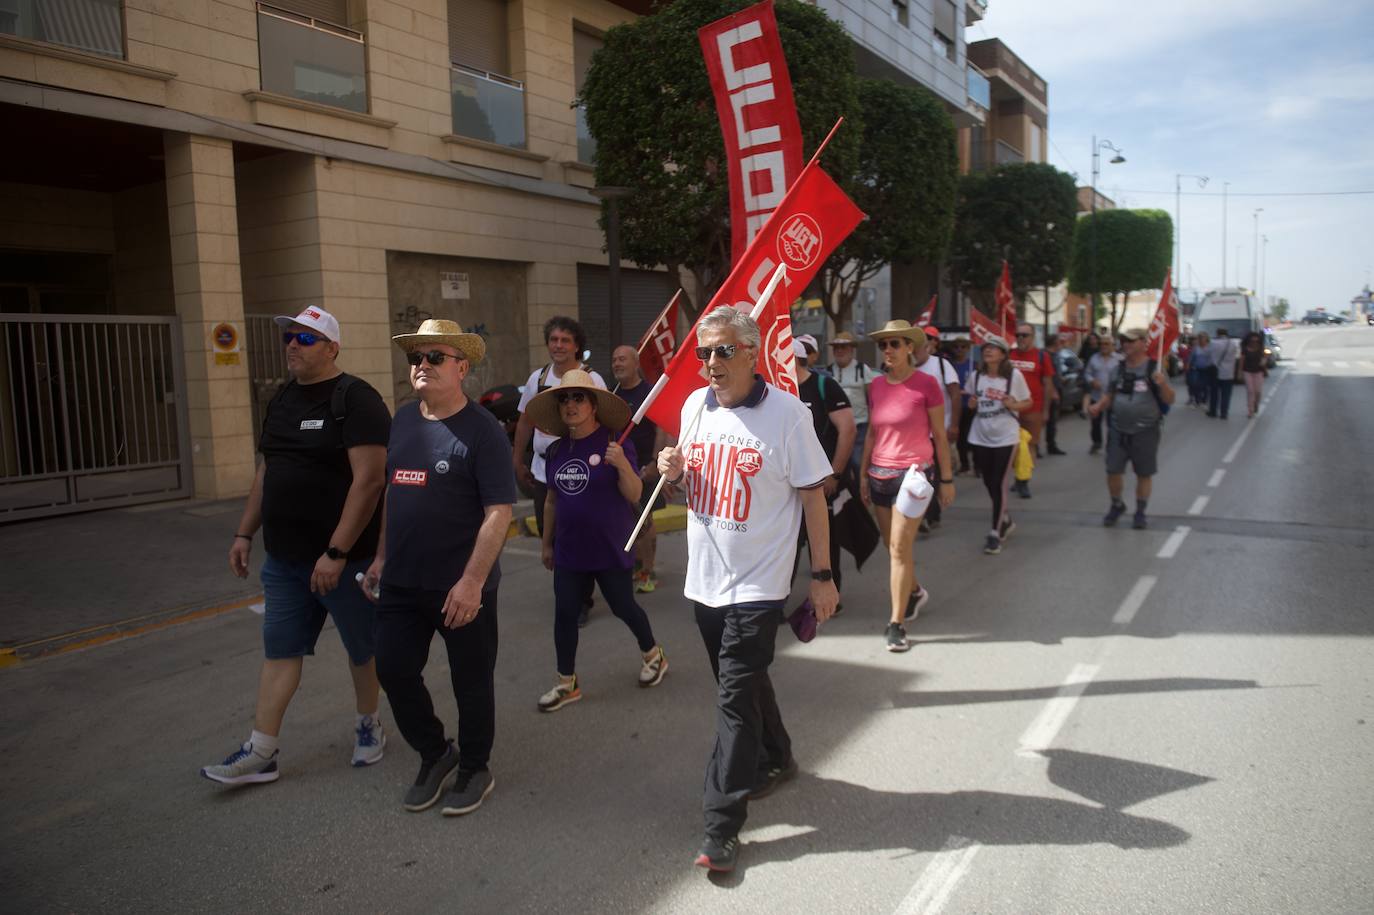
(338,401)
(1150,368)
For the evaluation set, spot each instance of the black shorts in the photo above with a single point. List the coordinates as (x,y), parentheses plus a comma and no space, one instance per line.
(1139,449)
(882,491)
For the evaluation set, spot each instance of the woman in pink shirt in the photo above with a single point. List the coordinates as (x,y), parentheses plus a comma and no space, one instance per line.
(904,405)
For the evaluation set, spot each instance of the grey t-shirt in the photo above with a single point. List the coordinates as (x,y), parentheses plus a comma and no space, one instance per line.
(1134,408)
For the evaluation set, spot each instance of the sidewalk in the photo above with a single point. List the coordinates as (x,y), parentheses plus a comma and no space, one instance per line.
(80,579)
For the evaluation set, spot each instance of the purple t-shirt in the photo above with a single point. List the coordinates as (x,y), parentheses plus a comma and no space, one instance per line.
(592,520)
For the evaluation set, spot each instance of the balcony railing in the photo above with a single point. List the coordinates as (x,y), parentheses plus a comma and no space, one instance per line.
(95,26)
(311,60)
(1006,154)
(586,143)
(487,106)
(979,89)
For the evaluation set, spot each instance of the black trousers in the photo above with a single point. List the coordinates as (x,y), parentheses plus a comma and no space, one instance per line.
(1052,426)
(617,586)
(965,425)
(1096,429)
(407,621)
(750,736)
(802,543)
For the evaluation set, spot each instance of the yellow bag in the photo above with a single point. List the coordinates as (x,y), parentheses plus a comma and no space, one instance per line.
(1024,461)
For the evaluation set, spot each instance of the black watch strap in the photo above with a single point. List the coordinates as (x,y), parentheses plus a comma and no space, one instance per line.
(822,575)
(335,553)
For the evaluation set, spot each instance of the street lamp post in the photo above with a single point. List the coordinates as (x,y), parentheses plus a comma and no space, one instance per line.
(1254,267)
(1178,222)
(1116,159)
(612,196)
(1225,185)
(1264,266)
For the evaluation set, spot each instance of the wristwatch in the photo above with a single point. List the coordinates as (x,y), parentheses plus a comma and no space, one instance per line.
(822,575)
(335,553)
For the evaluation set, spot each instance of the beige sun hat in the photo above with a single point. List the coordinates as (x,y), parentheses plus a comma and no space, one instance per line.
(843,338)
(611,411)
(899,328)
(448,333)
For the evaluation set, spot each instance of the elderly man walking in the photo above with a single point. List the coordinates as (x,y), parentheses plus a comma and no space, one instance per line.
(315,497)
(448,508)
(752,467)
(647,438)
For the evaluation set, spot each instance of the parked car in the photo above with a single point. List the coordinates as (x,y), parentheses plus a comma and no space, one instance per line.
(1272,350)
(1314,317)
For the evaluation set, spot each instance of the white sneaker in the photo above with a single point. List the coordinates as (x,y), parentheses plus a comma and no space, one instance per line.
(651,674)
(244,767)
(370,743)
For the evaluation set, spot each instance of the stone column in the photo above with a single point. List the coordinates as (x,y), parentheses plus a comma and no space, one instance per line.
(203,222)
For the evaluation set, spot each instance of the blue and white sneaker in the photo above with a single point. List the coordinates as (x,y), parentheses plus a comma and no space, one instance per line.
(244,767)
(370,742)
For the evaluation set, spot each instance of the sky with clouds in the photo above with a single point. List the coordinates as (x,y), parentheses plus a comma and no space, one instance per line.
(1272,97)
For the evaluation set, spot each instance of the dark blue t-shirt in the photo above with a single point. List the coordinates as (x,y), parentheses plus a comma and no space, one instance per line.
(592,520)
(441,474)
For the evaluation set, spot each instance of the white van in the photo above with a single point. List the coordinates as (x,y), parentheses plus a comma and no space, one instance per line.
(1237,310)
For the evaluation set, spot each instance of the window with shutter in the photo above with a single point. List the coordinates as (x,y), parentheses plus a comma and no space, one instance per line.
(478,35)
(585,44)
(945,18)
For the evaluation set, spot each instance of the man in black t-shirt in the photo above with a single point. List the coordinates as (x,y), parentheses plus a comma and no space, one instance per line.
(315,497)
(833,417)
(450,490)
(648,440)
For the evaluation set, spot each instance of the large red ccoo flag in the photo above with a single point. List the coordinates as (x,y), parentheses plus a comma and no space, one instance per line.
(659,342)
(925,317)
(808,224)
(1164,329)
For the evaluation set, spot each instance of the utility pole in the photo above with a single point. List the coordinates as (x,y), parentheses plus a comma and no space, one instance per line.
(1254,267)
(1224,186)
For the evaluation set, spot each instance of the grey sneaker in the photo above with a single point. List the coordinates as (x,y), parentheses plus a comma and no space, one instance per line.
(468,792)
(896,638)
(774,777)
(244,767)
(651,674)
(1114,514)
(430,781)
(914,602)
(992,545)
(370,742)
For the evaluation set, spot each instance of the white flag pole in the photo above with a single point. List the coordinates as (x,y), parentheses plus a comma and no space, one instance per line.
(757,310)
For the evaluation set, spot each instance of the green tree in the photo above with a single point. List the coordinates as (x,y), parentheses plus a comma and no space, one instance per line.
(906,183)
(1024,213)
(1280,310)
(650,108)
(1132,251)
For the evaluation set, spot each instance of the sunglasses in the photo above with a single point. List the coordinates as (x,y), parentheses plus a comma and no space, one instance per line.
(571,397)
(303,337)
(1019,336)
(724,351)
(890,343)
(433,357)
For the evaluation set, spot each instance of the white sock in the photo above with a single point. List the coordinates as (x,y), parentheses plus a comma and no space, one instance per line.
(995,533)
(263,744)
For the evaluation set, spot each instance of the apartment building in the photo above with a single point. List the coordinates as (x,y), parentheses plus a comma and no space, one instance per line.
(188,169)
(1016,99)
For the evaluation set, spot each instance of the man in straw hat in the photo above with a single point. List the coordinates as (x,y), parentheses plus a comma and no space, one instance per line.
(315,497)
(853,376)
(448,507)
(590,511)
(752,467)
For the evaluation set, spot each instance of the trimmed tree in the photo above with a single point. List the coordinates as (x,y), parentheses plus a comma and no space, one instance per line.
(906,182)
(650,108)
(1021,212)
(1131,250)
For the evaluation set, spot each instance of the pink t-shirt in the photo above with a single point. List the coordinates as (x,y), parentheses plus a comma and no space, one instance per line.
(898,422)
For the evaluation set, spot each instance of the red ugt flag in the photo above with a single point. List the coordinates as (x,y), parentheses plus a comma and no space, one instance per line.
(758,117)
(925,317)
(1006,304)
(982,328)
(811,221)
(659,342)
(1164,329)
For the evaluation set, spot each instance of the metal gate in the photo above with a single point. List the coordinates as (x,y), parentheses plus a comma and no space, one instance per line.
(266,364)
(92,413)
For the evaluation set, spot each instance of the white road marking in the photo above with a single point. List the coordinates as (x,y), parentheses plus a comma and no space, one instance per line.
(1235,449)
(1341,364)
(1314,364)
(1135,599)
(932,889)
(1198,505)
(1046,725)
(1171,546)
(1217,475)
(1366,364)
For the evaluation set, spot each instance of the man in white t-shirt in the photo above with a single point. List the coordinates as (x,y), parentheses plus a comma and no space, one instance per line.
(752,466)
(854,378)
(928,360)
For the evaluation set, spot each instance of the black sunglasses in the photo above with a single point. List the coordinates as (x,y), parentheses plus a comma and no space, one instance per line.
(1019,336)
(571,397)
(433,357)
(890,343)
(303,337)
(724,351)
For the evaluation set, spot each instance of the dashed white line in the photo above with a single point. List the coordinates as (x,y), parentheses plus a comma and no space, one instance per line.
(1235,449)
(1133,601)
(1314,363)
(1171,546)
(1046,725)
(1198,505)
(932,889)
(1216,478)
(1341,364)
(1366,364)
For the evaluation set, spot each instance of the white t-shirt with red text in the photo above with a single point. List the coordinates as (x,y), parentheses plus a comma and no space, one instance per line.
(744,467)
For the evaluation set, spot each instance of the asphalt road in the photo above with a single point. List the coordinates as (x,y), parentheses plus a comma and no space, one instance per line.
(1174,720)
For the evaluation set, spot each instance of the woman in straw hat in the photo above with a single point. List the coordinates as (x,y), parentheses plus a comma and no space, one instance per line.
(594,489)
(904,406)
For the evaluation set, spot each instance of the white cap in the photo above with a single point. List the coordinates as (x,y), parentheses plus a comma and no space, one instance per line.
(797,349)
(315,318)
(914,497)
(809,341)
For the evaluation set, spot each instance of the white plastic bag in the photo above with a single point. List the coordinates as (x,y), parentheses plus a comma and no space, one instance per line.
(914,497)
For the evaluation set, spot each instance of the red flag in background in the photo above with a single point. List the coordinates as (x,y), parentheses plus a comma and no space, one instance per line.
(1164,329)
(982,328)
(758,117)
(1006,304)
(659,342)
(925,317)
(811,221)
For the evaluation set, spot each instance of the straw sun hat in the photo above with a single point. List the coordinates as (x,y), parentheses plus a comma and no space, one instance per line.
(446,333)
(899,328)
(611,411)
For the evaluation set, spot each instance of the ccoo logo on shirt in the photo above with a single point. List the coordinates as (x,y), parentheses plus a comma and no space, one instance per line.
(409,477)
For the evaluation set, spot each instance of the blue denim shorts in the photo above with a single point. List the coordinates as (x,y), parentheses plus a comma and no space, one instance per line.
(294,616)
